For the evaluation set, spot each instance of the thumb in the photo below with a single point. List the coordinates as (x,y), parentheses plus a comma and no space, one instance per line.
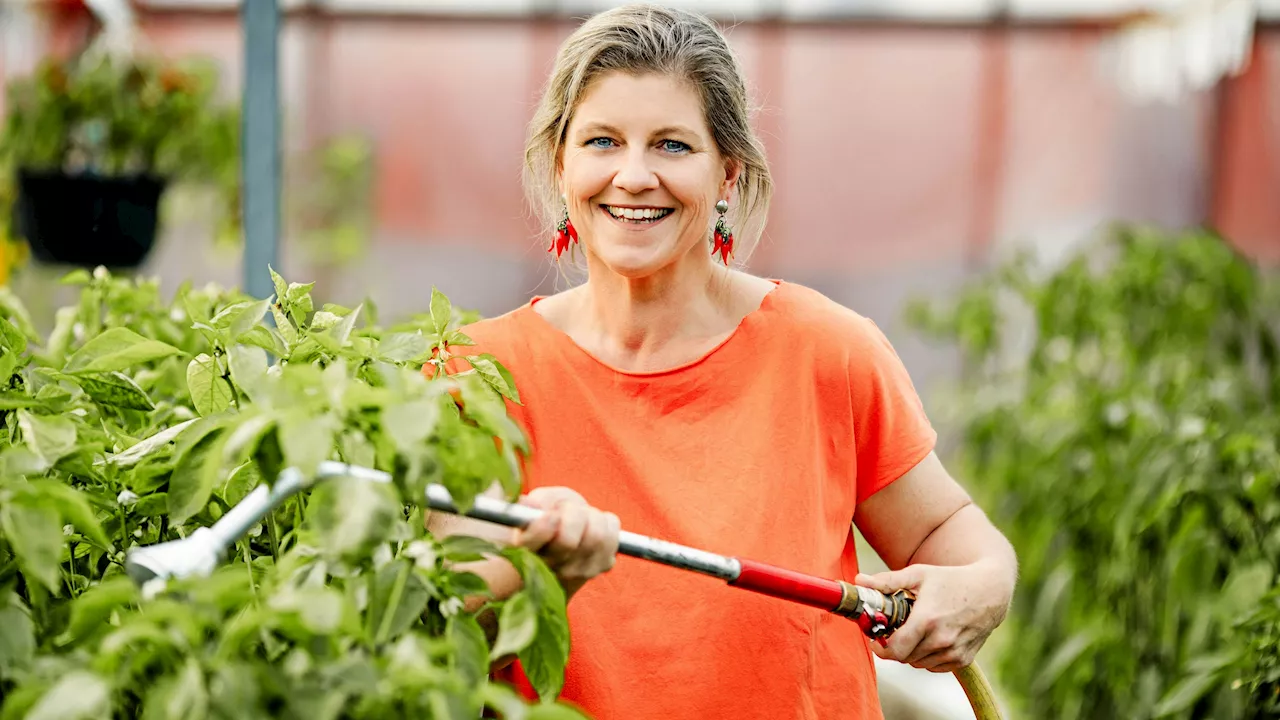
(908,578)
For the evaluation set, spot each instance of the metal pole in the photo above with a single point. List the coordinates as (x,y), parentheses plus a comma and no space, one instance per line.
(260,144)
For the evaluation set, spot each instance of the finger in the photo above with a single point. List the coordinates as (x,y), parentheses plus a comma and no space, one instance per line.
(606,526)
(936,643)
(538,533)
(573,523)
(549,497)
(949,659)
(907,578)
(904,641)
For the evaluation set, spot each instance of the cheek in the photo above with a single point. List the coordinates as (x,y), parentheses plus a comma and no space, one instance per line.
(584,176)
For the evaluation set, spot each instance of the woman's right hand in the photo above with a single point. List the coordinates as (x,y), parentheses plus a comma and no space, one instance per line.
(578,542)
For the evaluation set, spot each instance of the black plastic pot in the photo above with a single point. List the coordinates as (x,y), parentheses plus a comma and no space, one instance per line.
(88,220)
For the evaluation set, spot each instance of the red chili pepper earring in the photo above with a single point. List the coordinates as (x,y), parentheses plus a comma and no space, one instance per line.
(722,239)
(564,235)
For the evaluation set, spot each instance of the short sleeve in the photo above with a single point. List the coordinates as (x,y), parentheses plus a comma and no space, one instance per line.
(892,434)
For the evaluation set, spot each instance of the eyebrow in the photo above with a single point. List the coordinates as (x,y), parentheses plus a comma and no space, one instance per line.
(667,130)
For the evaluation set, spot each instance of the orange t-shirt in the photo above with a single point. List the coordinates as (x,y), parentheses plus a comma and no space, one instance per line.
(760,449)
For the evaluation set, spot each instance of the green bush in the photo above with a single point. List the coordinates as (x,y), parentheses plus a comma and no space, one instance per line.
(137,421)
(1120,423)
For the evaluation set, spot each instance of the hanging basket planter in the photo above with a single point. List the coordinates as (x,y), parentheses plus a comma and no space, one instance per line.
(88,220)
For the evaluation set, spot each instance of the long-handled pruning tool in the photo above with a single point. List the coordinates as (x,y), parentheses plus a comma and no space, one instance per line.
(877,614)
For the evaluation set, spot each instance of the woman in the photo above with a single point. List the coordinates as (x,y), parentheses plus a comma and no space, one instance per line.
(680,398)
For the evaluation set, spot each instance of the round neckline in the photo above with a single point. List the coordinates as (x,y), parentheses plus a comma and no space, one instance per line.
(563,337)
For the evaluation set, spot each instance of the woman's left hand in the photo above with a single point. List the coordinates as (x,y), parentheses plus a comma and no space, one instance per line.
(955,610)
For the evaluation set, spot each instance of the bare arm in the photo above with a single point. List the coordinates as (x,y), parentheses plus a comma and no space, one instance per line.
(926,517)
(501,576)
(576,541)
(940,545)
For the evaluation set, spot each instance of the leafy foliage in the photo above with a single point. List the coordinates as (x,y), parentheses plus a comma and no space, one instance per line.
(137,421)
(1129,450)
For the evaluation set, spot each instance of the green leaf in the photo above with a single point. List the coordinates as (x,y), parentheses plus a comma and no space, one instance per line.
(323,320)
(553,711)
(116,390)
(248,366)
(248,319)
(282,288)
(241,482)
(441,311)
(517,626)
(1185,694)
(409,424)
(34,530)
(92,609)
(1245,587)
(285,327)
(265,338)
(545,658)
(50,437)
(60,337)
(136,453)
(343,329)
(75,510)
(117,349)
(17,635)
(195,475)
(470,649)
(318,610)
(210,392)
(181,696)
(497,376)
(78,695)
(307,441)
(352,515)
(465,548)
(299,292)
(17,313)
(11,338)
(403,347)
(411,602)
(14,401)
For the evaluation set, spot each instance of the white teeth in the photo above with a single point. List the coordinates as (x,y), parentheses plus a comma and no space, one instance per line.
(637,213)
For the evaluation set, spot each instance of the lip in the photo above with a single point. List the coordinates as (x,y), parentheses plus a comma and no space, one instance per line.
(636,207)
(634,227)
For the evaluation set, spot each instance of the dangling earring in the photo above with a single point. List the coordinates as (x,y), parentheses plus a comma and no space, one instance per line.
(564,235)
(722,239)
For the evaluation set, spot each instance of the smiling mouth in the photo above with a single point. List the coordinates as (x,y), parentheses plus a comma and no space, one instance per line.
(637,216)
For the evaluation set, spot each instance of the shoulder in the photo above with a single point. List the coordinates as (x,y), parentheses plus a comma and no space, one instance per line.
(505,337)
(834,330)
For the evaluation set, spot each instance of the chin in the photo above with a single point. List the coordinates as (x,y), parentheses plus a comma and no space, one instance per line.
(634,262)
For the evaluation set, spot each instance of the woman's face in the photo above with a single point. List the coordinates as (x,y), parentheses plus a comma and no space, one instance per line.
(641,174)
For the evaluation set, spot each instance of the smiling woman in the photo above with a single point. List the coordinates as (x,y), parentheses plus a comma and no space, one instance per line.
(684,398)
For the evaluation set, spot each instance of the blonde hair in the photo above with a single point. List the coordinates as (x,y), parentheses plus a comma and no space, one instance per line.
(641,39)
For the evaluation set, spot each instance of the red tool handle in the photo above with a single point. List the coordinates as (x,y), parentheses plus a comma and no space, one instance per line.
(876,613)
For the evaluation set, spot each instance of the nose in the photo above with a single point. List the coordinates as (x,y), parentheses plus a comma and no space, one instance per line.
(635,175)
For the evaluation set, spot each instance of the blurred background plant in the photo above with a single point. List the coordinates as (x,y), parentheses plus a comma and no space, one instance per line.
(99,115)
(1127,443)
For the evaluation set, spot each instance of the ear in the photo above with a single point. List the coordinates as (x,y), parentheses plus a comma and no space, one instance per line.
(732,171)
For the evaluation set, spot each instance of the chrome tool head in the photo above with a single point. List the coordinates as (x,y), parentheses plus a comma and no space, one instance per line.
(196,555)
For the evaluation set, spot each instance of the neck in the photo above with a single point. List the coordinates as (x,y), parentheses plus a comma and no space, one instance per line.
(640,317)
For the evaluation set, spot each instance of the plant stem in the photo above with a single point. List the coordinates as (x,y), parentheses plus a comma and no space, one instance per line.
(248,563)
(273,532)
(393,603)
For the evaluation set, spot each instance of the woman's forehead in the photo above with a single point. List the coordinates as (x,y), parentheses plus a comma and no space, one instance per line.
(649,103)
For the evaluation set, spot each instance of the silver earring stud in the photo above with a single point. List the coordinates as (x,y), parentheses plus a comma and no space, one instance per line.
(722,206)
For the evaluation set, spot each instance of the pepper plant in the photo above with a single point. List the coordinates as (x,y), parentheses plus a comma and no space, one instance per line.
(1121,424)
(138,420)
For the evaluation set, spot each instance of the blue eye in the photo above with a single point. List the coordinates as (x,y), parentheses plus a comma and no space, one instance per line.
(600,142)
(674,146)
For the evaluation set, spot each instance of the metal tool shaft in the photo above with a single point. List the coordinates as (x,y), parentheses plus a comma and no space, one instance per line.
(629,543)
